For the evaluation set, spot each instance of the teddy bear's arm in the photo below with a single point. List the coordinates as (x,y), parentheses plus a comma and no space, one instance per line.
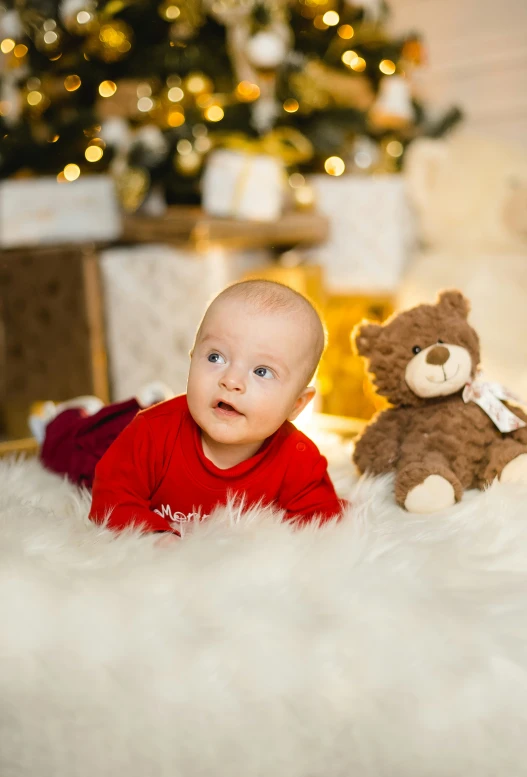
(377,449)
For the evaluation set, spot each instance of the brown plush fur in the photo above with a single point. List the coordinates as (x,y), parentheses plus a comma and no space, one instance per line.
(440,436)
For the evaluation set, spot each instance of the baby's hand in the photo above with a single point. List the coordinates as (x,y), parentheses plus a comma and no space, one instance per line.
(165,540)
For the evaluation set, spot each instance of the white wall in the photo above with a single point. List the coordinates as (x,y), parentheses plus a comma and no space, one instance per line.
(477,58)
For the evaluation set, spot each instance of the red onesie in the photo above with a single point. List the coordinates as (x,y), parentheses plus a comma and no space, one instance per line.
(156,475)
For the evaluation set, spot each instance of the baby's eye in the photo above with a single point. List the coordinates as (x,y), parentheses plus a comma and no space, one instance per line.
(216,358)
(264,372)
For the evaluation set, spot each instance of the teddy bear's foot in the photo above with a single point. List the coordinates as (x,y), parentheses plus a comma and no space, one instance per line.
(515,471)
(433,494)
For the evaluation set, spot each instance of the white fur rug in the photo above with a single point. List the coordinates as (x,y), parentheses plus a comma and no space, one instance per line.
(387,645)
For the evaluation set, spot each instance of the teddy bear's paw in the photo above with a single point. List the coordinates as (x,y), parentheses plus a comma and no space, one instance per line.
(515,471)
(433,494)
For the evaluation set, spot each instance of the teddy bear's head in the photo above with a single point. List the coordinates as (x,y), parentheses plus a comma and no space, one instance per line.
(428,351)
(469,191)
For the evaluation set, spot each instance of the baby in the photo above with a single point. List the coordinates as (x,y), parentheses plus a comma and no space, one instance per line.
(254,355)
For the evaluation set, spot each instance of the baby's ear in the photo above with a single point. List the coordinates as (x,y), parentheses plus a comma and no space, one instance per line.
(454,302)
(364,336)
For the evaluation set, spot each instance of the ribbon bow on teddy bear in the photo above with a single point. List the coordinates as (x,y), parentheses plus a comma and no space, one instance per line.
(447,429)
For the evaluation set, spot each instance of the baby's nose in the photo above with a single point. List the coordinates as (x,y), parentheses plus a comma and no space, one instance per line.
(232,381)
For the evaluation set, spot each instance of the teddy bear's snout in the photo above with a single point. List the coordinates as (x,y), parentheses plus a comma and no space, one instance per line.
(438,355)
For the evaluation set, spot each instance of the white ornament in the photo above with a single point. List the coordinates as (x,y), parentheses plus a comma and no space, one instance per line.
(394,99)
(116,132)
(263,114)
(10,95)
(153,141)
(266,49)
(11,25)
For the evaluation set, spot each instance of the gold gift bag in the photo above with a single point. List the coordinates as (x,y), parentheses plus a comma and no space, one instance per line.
(343,383)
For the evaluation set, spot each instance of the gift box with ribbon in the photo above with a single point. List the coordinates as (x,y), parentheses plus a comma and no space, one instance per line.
(245,177)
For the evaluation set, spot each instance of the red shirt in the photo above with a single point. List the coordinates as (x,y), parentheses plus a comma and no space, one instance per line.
(156,474)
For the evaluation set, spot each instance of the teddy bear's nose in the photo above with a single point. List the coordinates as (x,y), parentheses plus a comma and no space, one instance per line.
(438,355)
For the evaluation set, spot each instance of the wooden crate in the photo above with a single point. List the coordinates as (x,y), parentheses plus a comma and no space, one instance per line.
(52,330)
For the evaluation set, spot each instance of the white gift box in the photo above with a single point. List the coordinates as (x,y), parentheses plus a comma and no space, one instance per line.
(42,210)
(371,231)
(241,185)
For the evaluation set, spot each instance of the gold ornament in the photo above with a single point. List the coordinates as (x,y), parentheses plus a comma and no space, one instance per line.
(112,41)
(132,186)
(414,52)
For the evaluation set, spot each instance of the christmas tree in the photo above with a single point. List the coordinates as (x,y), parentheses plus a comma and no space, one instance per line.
(146,88)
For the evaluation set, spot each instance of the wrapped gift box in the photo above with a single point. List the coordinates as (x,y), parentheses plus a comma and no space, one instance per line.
(243,185)
(371,232)
(41,210)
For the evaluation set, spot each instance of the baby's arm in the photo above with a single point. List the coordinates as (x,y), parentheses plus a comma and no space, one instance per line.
(124,481)
(308,491)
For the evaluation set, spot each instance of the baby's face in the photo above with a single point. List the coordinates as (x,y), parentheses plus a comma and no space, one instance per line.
(247,372)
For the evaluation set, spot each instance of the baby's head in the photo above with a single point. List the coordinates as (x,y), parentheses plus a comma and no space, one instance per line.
(255,353)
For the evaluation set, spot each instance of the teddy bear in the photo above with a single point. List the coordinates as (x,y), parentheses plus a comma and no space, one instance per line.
(434,435)
(469,196)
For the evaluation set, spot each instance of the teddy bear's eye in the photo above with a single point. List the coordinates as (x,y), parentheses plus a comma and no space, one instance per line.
(416,349)
(440,342)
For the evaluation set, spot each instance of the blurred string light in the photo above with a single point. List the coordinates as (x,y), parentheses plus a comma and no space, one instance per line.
(291,105)
(346,32)
(107,88)
(214,113)
(7,45)
(93,153)
(358,64)
(176,118)
(71,172)
(72,83)
(145,104)
(349,56)
(34,98)
(175,94)
(247,91)
(334,165)
(387,67)
(184,147)
(331,18)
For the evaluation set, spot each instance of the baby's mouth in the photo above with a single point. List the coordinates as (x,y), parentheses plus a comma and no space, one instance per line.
(224,408)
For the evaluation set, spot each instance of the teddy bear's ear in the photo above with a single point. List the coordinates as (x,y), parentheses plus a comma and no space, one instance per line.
(454,302)
(363,337)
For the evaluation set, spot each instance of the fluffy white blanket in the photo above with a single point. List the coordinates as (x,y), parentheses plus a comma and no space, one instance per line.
(387,645)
